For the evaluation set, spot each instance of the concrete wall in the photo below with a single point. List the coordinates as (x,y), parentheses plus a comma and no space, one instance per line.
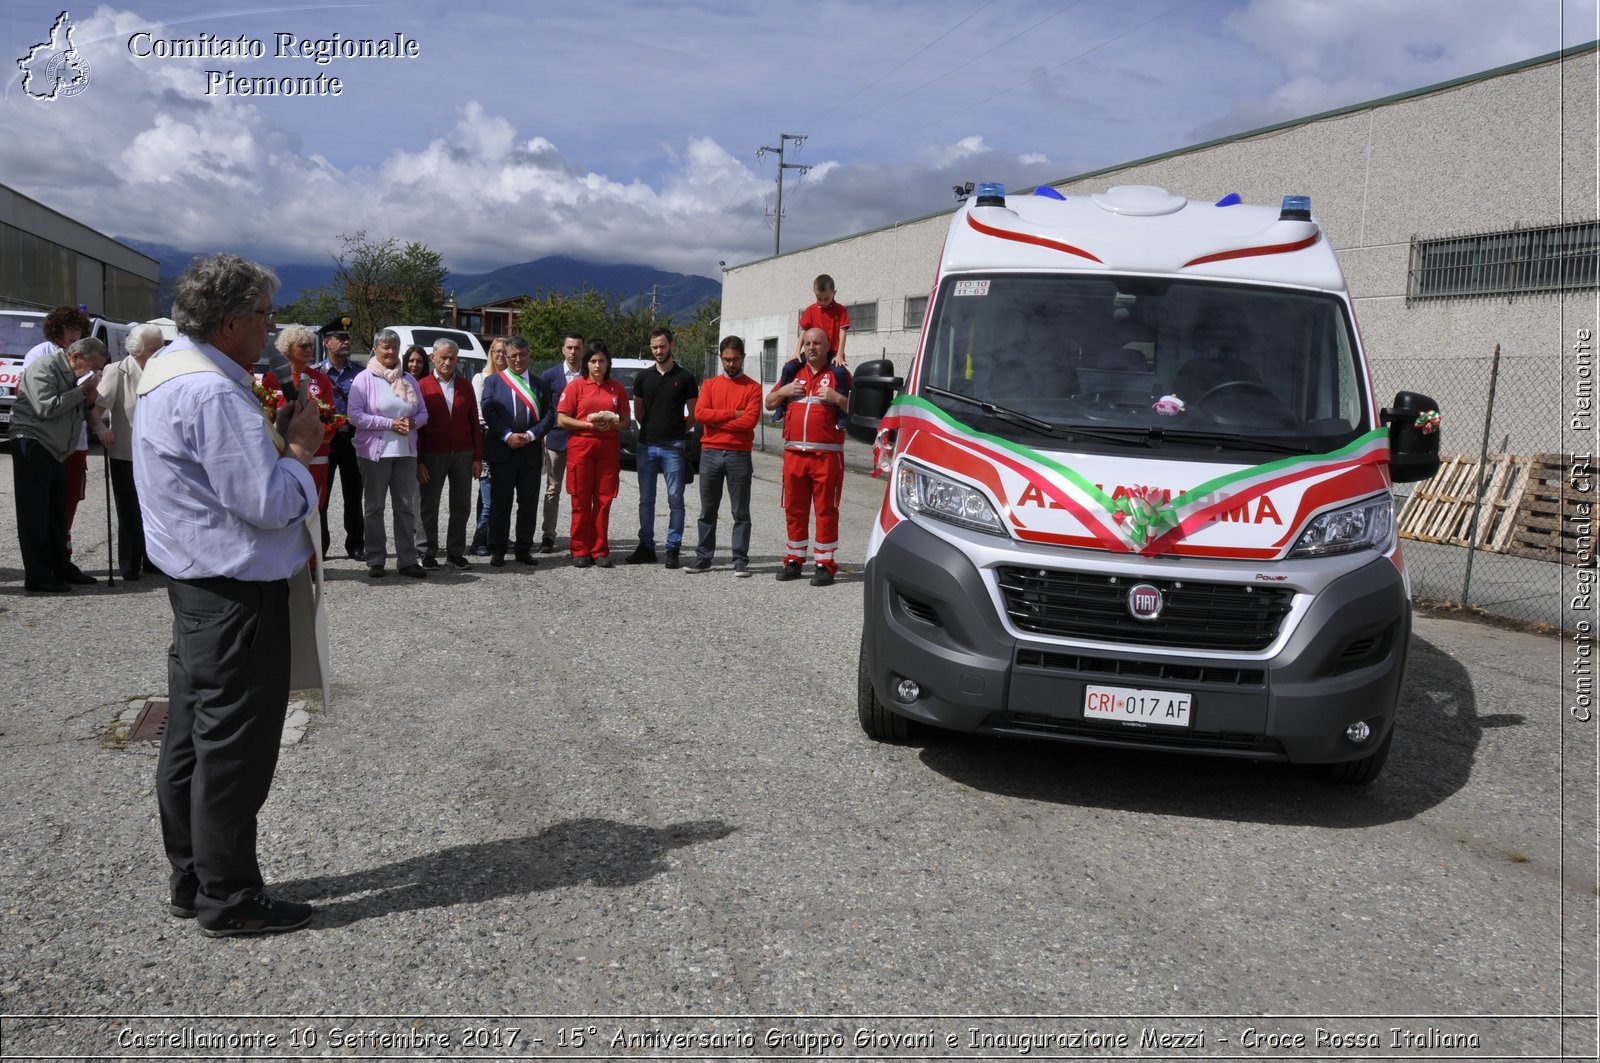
(1510,149)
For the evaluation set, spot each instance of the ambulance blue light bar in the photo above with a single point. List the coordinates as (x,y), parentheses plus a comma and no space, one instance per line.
(991,194)
(1295,208)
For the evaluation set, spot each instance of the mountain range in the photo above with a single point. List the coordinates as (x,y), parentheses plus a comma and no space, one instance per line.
(677,294)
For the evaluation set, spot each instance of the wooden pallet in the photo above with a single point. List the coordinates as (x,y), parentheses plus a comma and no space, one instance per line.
(1440,509)
(1550,526)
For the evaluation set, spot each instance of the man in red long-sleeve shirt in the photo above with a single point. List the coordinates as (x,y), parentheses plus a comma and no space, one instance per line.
(727,408)
(449,450)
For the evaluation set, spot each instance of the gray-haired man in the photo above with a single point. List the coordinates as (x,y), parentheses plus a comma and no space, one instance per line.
(225,500)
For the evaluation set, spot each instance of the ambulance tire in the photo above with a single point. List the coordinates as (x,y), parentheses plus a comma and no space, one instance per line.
(876,720)
(1354,772)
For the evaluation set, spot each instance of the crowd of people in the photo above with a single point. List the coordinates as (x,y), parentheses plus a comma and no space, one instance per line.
(223,483)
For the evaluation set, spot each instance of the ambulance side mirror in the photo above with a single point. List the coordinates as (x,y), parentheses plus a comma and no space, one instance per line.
(872,389)
(1413,423)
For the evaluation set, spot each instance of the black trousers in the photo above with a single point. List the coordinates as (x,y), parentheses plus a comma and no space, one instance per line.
(39,488)
(519,477)
(228,690)
(130,522)
(342,462)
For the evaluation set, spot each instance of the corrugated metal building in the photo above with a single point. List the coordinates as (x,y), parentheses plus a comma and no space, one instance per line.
(47,259)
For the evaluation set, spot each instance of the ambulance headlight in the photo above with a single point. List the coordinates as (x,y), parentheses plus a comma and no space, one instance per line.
(931,495)
(1366,526)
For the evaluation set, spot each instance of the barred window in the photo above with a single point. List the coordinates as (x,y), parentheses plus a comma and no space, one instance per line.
(769,359)
(1555,258)
(863,317)
(916,310)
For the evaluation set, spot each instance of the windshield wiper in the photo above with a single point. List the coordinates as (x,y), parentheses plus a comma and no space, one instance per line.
(1005,414)
(1233,442)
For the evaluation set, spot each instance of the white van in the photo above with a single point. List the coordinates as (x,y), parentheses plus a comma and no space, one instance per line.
(20,332)
(474,356)
(1139,489)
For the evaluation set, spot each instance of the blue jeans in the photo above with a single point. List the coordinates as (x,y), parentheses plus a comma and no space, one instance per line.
(716,466)
(667,458)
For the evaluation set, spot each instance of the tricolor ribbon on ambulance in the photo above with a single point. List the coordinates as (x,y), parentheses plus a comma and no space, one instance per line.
(1138,522)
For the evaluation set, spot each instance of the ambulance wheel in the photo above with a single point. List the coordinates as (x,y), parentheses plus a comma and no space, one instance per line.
(1354,772)
(876,720)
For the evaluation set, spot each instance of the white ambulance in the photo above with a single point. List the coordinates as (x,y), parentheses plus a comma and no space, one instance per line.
(1139,488)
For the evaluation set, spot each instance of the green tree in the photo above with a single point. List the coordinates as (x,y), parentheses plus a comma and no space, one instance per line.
(314,306)
(696,340)
(546,318)
(384,283)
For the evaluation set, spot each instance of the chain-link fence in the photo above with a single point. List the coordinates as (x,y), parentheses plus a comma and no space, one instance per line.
(1492,531)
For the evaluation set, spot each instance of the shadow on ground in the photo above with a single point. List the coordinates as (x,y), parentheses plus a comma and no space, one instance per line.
(596,852)
(1436,741)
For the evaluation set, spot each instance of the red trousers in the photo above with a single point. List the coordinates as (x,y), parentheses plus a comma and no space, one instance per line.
(812,479)
(77,464)
(593,475)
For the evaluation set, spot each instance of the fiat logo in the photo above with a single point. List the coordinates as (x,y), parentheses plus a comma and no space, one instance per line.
(1145,601)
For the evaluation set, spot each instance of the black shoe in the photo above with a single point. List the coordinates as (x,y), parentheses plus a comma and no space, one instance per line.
(526,557)
(498,559)
(672,557)
(603,561)
(789,571)
(821,578)
(457,561)
(741,569)
(642,555)
(547,545)
(180,898)
(429,561)
(355,553)
(47,588)
(130,575)
(415,571)
(79,578)
(699,564)
(377,571)
(260,915)
(582,562)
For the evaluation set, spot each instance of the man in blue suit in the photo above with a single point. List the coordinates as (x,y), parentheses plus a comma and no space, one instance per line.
(517,412)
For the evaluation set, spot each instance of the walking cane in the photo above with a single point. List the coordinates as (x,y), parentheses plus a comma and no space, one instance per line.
(111,568)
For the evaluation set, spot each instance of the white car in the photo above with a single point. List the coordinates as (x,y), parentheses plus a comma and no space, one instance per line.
(20,332)
(473,355)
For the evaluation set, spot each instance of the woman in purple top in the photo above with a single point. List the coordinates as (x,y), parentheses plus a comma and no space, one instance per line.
(387,409)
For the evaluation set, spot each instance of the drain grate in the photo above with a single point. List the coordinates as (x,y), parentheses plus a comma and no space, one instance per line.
(152,722)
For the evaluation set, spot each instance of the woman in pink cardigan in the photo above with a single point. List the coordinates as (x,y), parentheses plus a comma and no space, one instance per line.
(387,409)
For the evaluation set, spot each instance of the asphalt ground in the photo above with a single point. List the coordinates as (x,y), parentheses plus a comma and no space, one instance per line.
(639,800)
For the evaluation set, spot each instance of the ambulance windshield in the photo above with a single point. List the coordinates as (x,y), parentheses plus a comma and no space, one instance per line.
(1144,358)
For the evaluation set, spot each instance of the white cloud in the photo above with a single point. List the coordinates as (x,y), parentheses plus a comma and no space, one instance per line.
(628,154)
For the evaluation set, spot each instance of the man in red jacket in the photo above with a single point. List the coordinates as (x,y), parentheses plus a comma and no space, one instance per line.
(449,449)
(813,456)
(727,408)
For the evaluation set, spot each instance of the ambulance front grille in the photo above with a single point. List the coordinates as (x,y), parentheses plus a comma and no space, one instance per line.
(1196,615)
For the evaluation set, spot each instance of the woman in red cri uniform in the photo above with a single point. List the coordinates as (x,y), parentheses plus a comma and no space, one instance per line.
(592,409)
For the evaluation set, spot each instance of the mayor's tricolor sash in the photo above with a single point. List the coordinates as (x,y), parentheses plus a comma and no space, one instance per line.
(523,392)
(1139,521)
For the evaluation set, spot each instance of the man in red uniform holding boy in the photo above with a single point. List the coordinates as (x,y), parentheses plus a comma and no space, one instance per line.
(813,456)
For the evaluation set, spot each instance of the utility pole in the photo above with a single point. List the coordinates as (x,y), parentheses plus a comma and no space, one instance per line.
(777,215)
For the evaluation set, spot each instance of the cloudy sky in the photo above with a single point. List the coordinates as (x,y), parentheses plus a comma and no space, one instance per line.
(627,130)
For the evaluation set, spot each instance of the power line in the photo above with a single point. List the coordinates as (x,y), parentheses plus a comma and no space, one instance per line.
(904,61)
(961,66)
(1043,73)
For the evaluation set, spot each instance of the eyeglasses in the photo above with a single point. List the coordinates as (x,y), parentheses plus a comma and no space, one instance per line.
(270,313)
